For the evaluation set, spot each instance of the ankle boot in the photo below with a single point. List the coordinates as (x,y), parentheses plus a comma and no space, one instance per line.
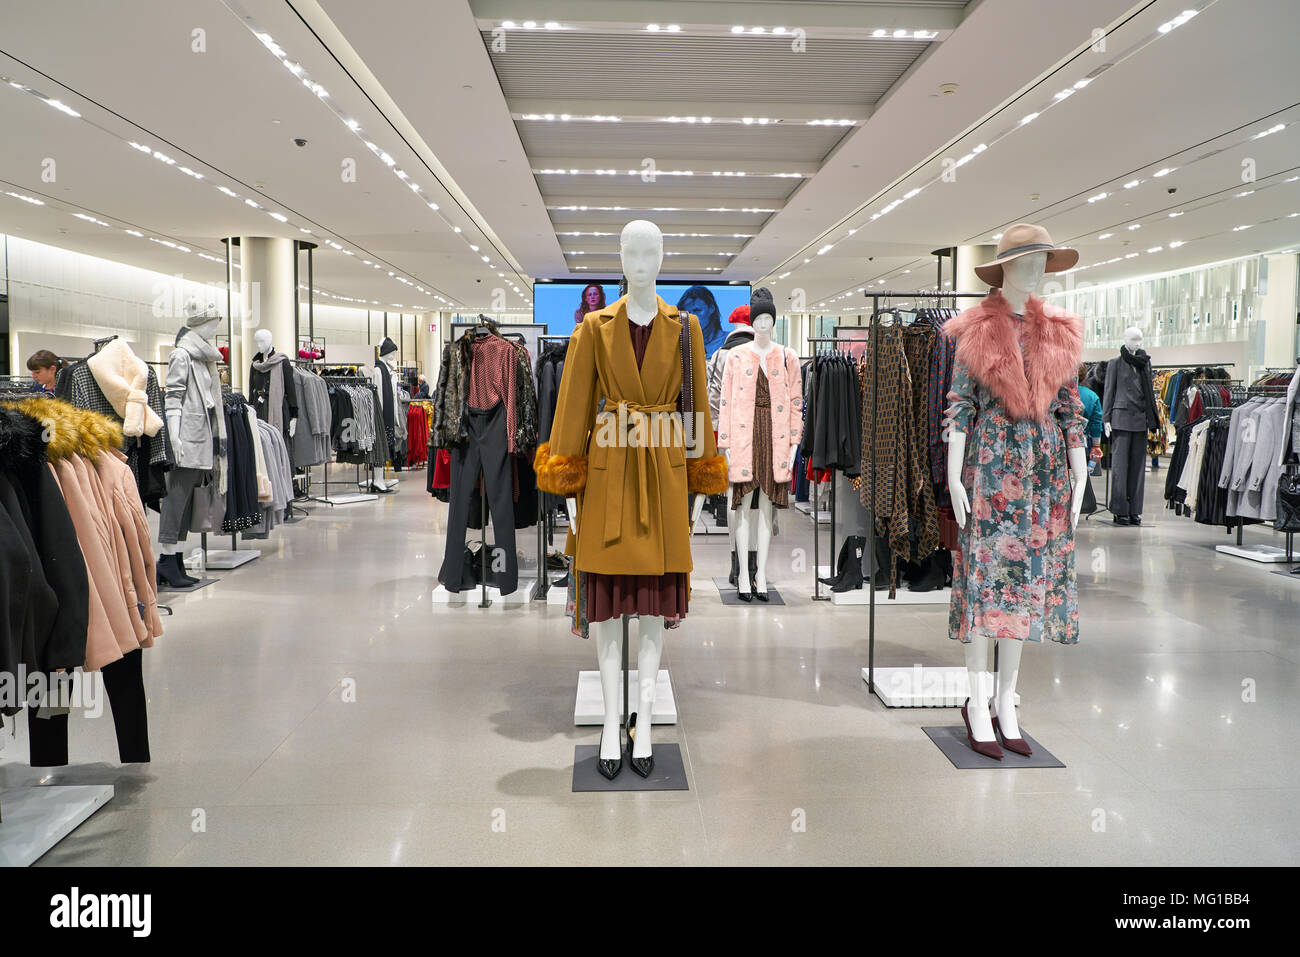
(931,577)
(753,572)
(734,577)
(178,565)
(172,573)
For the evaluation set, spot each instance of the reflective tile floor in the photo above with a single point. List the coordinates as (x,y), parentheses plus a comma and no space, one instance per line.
(1177,717)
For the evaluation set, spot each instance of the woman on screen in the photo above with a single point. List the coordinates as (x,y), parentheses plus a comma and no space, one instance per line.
(699,301)
(593,298)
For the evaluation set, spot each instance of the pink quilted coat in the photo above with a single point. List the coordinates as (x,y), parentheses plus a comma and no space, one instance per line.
(736,410)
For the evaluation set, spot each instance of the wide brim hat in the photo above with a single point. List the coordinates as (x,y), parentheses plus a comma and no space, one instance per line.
(1021,240)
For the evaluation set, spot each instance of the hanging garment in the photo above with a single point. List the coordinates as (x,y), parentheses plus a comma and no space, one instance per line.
(451,397)
(634,516)
(485,453)
(1014,398)
(271,390)
(242,508)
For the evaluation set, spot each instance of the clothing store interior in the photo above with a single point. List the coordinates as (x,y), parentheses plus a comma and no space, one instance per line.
(659,426)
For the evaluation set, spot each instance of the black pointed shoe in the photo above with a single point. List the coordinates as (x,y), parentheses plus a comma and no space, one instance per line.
(762,596)
(608,768)
(642,766)
(745,596)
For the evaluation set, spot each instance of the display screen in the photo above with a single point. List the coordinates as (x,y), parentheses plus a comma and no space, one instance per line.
(561,305)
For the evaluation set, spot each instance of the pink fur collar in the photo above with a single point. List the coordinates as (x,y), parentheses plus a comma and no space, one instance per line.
(987,345)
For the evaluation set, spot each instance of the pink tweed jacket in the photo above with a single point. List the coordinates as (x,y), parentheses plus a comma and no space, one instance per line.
(736,410)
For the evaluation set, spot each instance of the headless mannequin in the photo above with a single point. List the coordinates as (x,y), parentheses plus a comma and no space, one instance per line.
(1133,340)
(1020,279)
(262,339)
(761,346)
(642,251)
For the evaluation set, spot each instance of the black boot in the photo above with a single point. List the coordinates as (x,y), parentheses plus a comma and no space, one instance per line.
(884,563)
(850,576)
(171,572)
(931,577)
(720,511)
(753,571)
(734,577)
(841,562)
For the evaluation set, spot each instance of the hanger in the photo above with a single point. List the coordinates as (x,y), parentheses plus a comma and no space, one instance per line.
(100,343)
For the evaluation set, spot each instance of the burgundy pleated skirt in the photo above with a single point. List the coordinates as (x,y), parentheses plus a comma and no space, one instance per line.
(657,596)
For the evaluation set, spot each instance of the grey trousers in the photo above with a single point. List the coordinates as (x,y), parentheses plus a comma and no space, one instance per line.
(1128,471)
(176,510)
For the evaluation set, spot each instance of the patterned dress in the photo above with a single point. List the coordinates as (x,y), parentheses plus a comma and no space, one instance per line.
(1014,575)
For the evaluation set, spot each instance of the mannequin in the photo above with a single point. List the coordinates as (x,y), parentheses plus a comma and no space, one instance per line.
(760,410)
(742,334)
(195,423)
(1051,345)
(384,375)
(619,543)
(1128,413)
(266,355)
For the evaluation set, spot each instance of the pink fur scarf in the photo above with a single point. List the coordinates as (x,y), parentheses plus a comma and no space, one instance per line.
(987,345)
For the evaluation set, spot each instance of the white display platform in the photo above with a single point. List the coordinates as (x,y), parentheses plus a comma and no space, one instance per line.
(917,687)
(37,818)
(223,560)
(557,595)
(902,596)
(349,498)
(589,707)
(1256,553)
(823,517)
(520,596)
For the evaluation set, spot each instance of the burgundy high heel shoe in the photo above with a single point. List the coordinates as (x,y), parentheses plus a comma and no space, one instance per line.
(989,749)
(1018,745)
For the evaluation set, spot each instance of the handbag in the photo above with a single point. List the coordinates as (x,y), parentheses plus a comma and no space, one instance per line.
(1288,502)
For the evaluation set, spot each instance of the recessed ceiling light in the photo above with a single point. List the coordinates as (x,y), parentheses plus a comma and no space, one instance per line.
(653,27)
(1164,172)
(737,29)
(1105,235)
(1029,119)
(1176,215)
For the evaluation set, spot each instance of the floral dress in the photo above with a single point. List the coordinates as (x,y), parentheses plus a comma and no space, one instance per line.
(1014,575)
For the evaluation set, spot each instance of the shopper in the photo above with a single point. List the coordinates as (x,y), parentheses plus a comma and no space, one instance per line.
(422,388)
(1092,413)
(45,367)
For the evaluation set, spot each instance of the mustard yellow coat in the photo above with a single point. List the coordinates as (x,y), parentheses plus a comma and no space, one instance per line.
(630,470)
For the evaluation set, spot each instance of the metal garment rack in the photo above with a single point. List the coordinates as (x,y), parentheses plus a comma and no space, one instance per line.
(1269,390)
(870,476)
(355,379)
(546,523)
(812,386)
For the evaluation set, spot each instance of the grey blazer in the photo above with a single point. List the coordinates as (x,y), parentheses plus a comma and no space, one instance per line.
(1123,406)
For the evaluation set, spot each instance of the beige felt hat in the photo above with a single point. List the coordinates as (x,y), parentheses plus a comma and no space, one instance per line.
(1021,240)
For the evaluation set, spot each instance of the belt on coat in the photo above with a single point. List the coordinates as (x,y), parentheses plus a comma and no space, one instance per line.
(633,413)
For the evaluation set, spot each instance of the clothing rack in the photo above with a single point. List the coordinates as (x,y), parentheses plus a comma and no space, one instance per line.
(869,474)
(1194,365)
(353,378)
(546,523)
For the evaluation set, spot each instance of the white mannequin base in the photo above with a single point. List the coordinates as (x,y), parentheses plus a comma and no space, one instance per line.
(349,498)
(589,707)
(557,595)
(918,687)
(384,484)
(223,560)
(520,596)
(823,517)
(1256,553)
(37,818)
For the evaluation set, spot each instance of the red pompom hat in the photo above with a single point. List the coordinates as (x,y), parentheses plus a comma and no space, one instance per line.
(740,315)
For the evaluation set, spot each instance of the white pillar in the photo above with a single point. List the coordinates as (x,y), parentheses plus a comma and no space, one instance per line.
(964,278)
(1277,311)
(267,297)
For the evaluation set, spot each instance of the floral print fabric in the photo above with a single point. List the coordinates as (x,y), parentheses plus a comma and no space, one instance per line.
(1014,575)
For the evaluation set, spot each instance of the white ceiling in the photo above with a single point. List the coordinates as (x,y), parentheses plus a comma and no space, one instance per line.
(423,83)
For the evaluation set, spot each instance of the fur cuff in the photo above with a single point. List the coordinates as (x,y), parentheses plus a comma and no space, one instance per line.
(559,474)
(706,476)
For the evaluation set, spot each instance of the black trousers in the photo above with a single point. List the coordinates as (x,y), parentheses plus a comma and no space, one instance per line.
(124,685)
(486,451)
(1128,475)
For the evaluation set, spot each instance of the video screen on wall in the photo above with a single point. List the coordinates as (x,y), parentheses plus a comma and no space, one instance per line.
(561,305)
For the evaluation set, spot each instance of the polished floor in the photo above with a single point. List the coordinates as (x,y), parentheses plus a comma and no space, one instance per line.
(1177,718)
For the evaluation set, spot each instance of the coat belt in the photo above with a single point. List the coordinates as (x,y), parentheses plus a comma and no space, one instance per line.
(633,413)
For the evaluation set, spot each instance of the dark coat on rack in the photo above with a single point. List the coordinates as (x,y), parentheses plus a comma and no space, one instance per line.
(41,562)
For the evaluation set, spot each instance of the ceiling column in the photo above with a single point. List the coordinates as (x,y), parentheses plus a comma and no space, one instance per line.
(267,297)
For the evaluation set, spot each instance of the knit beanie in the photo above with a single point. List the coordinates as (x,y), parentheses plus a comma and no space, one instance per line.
(760,302)
(739,316)
(387,346)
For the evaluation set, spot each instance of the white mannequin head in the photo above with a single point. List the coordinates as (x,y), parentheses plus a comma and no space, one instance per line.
(262,339)
(762,327)
(197,319)
(1133,338)
(641,247)
(1024,275)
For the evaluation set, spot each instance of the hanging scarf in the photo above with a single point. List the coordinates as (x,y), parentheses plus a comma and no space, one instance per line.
(1140,362)
(272,364)
(123,378)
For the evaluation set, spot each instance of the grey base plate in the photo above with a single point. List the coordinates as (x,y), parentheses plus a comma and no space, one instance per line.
(952,742)
(669,773)
(730,596)
(203,583)
(1289,574)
